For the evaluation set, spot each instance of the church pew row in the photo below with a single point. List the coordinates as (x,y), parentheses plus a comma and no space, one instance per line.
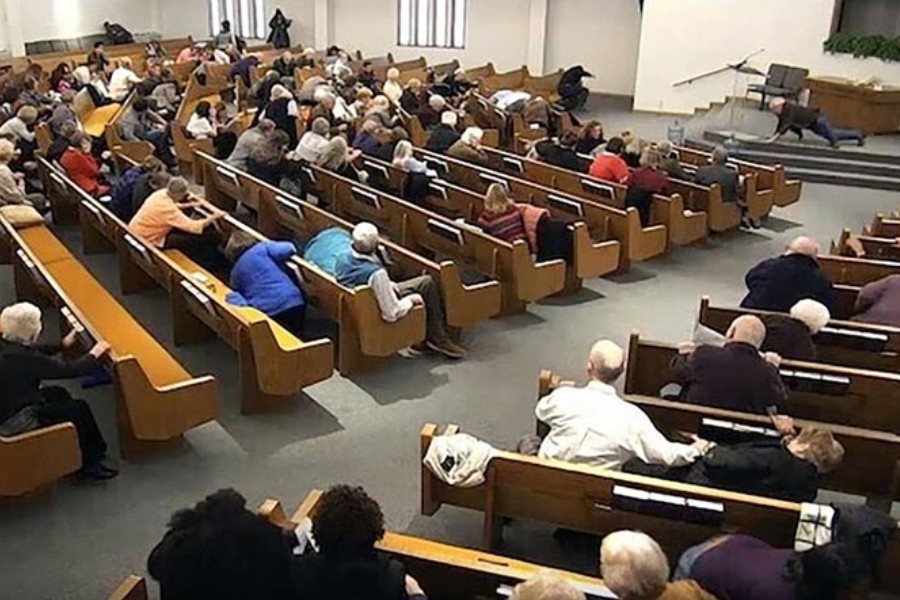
(444,571)
(875,247)
(48,61)
(280,213)
(137,150)
(273,364)
(522,280)
(818,392)
(638,243)
(845,343)
(182,144)
(157,400)
(769,178)
(520,79)
(871,465)
(597,502)
(595,250)
(683,226)
(93,118)
(133,588)
(884,226)
(849,274)
(38,458)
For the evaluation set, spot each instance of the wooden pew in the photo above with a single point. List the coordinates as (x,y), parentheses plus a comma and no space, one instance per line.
(136,150)
(875,247)
(871,465)
(597,501)
(133,588)
(683,226)
(596,250)
(721,215)
(465,305)
(365,339)
(770,179)
(846,343)
(444,571)
(638,243)
(157,400)
(522,279)
(63,202)
(37,458)
(818,392)
(759,203)
(48,61)
(274,364)
(884,226)
(93,118)
(849,274)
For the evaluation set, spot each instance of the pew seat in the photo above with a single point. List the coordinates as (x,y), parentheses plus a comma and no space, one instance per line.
(37,458)
(444,571)
(94,119)
(133,588)
(157,400)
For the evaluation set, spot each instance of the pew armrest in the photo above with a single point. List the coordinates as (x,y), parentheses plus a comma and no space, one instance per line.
(37,458)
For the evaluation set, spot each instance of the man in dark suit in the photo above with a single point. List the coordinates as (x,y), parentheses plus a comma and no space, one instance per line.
(776,284)
(734,376)
(728,180)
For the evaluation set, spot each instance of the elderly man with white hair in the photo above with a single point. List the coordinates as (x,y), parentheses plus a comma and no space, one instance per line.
(469,147)
(791,335)
(592,425)
(546,586)
(25,404)
(777,284)
(360,265)
(634,567)
(430,114)
(444,136)
(734,376)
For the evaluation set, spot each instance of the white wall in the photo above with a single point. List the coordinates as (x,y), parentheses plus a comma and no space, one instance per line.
(603,35)
(191,17)
(497,32)
(683,38)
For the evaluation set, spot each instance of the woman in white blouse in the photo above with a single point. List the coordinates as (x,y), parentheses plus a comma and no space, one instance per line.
(122,79)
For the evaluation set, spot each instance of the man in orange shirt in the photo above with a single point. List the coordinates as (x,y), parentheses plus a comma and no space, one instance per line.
(609,165)
(161,222)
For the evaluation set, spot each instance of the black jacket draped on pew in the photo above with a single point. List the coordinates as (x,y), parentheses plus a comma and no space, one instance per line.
(777,284)
(788,337)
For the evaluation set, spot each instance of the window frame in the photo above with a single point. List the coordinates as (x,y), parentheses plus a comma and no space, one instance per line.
(431,24)
(254,20)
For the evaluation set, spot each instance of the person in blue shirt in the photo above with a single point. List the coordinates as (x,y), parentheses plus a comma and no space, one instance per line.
(259,279)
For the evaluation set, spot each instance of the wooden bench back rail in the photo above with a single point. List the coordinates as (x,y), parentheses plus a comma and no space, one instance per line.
(871,465)
(138,150)
(446,572)
(884,226)
(133,588)
(522,280)
(37,458)
(157,400)
(845,343)
(364,337)
(683,226)
(273,363)
(818,392)
(722,216)
(845,270)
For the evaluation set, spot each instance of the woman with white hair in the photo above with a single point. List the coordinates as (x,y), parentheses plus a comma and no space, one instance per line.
(546,586)
(444,136)
(634,567)
(404,158)
(791,336)
(283,110)
(392,88)
(469,147)
(313,141)
(338,158)
(25,404)
(380,112)
(12,186)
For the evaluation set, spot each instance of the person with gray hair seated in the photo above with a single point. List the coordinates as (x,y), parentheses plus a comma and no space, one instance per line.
(592,425)
(728,180)
(669,161)
(251,138)
(546,586)
(468,147)
(734,376)
(776,284)
(360,264)
(444,136)
(430,114)
(314,141)
(26,405)
(634,567)
(791,336)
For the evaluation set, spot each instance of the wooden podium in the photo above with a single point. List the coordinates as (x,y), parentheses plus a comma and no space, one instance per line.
(856,107)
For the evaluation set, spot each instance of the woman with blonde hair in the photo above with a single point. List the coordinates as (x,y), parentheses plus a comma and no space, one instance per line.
(337,157)
(412,100)
(18,128)
(12,186)
(392,87)
(404,158)
(546,586)
(500,217)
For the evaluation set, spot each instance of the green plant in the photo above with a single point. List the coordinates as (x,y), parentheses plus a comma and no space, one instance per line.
(864,46)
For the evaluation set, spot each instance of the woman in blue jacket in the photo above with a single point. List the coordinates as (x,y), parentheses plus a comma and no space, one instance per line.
(259,279)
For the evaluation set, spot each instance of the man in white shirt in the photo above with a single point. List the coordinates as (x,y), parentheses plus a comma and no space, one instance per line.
(592,425)
(122,79)
(360,265)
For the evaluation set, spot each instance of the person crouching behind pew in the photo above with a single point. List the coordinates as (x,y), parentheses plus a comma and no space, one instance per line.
(162,222)
(258,279)
(26,405)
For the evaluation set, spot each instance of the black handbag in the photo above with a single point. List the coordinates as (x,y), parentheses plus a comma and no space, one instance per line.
(22,422)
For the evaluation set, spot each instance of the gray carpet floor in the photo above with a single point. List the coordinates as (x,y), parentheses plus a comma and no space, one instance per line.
(78,541)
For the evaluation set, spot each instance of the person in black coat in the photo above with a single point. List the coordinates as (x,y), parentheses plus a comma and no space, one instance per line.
(791,336)
(279,36)
(776,284)
(346,526)
(25,364)
(561,153)
(734,376)
(444,135)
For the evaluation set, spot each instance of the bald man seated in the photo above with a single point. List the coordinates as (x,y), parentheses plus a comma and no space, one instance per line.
(734,376)
(777,284)
(592,425)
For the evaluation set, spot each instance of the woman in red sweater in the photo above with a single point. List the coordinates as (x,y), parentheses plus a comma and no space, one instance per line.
(82,167)
(500,217)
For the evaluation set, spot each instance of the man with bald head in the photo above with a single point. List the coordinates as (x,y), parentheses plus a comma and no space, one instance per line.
(734,376)
(592,425)
(777,284)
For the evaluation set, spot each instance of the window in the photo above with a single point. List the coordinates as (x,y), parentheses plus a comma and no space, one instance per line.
(432,23)
(248,17)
